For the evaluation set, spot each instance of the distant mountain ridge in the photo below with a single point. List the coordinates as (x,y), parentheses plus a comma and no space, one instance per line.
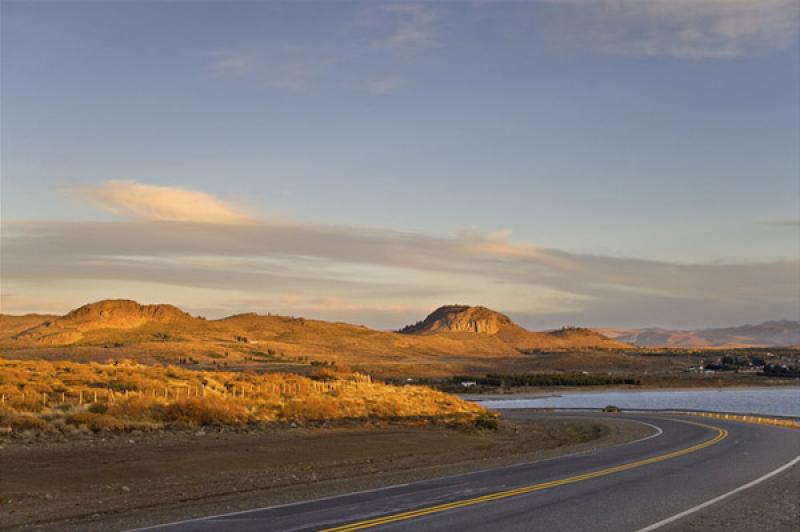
(778,333)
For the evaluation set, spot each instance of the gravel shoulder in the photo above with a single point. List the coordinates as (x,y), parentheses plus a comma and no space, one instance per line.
(773,506)
(116,483)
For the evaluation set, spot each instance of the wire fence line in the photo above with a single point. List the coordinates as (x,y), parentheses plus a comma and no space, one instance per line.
(174,392)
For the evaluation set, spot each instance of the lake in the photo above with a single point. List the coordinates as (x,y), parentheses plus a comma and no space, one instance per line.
(766,401)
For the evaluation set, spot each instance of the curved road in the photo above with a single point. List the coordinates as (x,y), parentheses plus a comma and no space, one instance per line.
(682,467)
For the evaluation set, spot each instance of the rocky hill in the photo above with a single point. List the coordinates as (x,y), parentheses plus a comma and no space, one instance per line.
(463,319)
(460,318)
(103,315)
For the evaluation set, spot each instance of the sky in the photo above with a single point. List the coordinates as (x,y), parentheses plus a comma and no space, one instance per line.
(623,163)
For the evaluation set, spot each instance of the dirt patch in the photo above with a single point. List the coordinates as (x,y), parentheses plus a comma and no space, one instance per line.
(142,479)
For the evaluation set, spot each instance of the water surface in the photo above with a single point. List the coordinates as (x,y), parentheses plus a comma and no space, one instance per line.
(784,401)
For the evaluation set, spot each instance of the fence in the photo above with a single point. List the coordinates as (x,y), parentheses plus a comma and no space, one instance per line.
(174,392)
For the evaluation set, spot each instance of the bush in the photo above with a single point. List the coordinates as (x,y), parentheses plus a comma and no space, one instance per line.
(486,422)
(133,409)
(311,409)
(203,412)
(98,408)
(96,422)
(19,422)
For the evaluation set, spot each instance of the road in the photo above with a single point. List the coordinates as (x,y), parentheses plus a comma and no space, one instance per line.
(683,467)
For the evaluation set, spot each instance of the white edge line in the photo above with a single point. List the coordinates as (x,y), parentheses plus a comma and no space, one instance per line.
(658,433)
(715,500)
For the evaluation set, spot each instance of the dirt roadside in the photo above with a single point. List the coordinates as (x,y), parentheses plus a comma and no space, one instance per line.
(770,507)
(144,479)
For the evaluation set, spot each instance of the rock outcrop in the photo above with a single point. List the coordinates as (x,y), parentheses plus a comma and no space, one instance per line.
(461,318)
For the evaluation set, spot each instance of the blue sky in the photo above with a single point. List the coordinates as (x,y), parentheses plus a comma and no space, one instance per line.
(658,137)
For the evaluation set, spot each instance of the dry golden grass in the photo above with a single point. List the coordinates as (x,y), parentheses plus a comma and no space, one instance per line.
(65,396)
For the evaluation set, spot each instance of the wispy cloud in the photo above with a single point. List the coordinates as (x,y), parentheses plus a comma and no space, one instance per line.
(368,53)
(412,26)
(319,268)
(784,222)
(386,85)
(130,199)
(233,63)
(685,29)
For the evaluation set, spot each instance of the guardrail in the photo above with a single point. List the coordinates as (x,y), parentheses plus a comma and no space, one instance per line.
(790,423)
(743,418)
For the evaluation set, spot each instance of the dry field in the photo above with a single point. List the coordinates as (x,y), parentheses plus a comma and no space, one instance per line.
(72,398)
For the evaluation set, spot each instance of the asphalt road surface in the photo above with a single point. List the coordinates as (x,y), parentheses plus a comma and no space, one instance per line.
(686,466)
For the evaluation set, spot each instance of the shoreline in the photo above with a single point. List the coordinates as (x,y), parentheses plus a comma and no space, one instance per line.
(544,393)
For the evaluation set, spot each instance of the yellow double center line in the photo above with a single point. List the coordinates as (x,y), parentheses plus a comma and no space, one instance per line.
(369,523)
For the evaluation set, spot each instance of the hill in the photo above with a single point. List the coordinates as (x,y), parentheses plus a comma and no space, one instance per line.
(463,320)
(159,333)
(460,318)
(768,334)
(104,315)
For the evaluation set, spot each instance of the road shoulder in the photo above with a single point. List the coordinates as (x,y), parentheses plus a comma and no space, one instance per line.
(134,481)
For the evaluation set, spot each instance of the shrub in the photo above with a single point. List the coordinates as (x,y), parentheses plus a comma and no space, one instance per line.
(311,409)
(98,408)
(486,422)
(204,412)
(19,422)
(96,422)
(133,409)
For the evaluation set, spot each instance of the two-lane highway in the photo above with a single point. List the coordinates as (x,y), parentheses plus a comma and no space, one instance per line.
(684,466)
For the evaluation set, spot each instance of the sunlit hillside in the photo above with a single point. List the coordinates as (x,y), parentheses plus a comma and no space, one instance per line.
(69,396)
(164,334)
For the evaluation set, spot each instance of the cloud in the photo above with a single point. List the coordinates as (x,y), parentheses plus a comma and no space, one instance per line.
(382,85)
(178,243)
(130,199)
(369,52)
(412,26)
(232,63)
(785,222)
(362,268)
(685,29)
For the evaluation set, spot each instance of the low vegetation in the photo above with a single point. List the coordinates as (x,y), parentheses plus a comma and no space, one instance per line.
(497,381)
(70,397)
